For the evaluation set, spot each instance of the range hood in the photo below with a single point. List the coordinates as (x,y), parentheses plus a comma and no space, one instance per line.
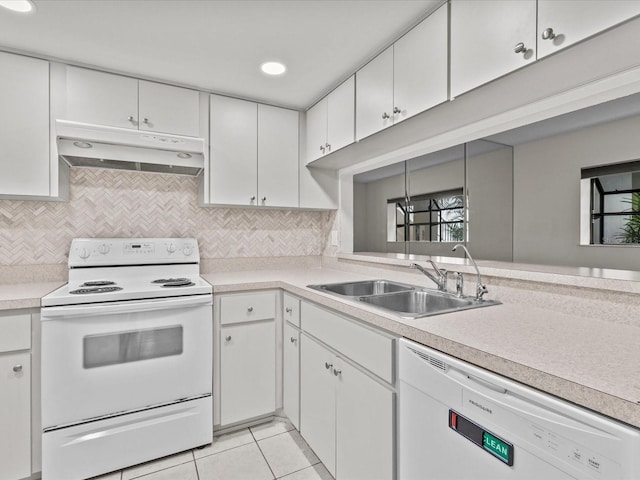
(82,144)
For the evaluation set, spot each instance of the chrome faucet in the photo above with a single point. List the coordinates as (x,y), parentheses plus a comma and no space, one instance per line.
(480,288)
(440,281)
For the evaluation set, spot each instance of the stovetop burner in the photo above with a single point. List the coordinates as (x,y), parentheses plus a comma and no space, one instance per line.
(171,280)
(85,291)
(179,283)
(98,283)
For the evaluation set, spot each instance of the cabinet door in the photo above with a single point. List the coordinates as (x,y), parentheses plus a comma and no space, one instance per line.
(291,307)
(101,98)
(15,416)
(247,371)
(364,419)
(341,106)
(420,66)
(374,95)
(484,34)
(169,109)
(291,377)
(277,156)
(316,131)
(317,401)
(573,21)
(234,151)
(24,116)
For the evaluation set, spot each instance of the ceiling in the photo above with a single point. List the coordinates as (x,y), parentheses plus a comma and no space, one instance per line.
(218,45)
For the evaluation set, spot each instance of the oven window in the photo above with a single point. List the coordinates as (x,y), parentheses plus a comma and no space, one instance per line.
(124,347)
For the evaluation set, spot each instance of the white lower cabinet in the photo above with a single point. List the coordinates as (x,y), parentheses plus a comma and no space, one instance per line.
(346,412)
(247,357)
(15,396)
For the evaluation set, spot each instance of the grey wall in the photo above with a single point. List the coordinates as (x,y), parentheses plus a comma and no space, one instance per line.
(547,195)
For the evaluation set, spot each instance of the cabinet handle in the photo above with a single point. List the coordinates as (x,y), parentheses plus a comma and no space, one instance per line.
(252,199)
(322,148)
(385,115)
(250,309)
(293,340)
(264,199)
(337,372)
(328,147)
(288,309)
(520,48)
(146,120)
(328,365)
(17,368)
(130,118)
(228,338)
(548,34)
(396,110)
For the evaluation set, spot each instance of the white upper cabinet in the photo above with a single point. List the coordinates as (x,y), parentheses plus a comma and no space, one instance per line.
(564,22)
(254,154)
(374,95)
(106,99)
(234,151)
(101,98)
(420,66)
(490,38)
(407,78)
(169,109)
(330,123)
(24,131)
(277,156)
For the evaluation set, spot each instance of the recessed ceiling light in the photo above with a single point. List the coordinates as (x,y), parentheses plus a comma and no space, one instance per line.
(21,6)
(273,68)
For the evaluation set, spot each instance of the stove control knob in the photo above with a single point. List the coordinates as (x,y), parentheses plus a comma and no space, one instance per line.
(187,250)
(171,248)
(84,253)
(104,249)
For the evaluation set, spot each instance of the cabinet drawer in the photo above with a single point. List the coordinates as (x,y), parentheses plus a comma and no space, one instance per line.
(291,309)
(15,332)
(370,349)
(247,307)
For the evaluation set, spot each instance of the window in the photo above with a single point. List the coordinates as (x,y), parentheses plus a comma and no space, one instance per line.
(614,203)
(431,217)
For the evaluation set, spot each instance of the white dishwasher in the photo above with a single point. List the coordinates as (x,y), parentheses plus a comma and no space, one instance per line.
(459,422)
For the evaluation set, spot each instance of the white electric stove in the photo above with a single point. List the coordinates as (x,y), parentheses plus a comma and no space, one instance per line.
(126,357)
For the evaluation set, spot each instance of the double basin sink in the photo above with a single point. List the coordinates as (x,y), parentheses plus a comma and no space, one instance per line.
(408,301)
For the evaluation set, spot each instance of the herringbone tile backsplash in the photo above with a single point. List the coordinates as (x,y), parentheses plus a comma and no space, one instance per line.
(112,203)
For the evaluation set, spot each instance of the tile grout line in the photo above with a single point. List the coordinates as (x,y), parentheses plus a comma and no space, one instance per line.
(262,453)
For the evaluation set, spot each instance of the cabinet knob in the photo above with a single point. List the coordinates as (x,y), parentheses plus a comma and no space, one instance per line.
(337,372)
(130,118)
(548,34)
(328,146)
(288,309)
(322,148)
(228,338)
(250,309)
(328,365)
(520,48)
(385,115)
(252,199)
(146,120)
(17,368)
(264,199)
(396,110)
(294,339)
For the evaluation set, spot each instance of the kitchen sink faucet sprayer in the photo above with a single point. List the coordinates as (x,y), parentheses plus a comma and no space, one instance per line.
(441,281)
(480,288)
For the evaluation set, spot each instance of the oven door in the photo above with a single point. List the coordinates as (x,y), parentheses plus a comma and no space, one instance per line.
(105,359)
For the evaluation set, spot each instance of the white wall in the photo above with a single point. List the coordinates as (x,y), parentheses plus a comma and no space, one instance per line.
(547,195)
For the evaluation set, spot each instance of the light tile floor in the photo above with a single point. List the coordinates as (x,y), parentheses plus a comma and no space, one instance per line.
(265,452)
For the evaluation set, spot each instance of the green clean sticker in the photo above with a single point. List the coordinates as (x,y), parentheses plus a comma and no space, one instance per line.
(496,446)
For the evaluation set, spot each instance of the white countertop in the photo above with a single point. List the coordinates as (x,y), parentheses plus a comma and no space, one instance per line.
(589,362)
(25,295)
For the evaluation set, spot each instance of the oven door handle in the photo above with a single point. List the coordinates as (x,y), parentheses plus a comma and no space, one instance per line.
(52,313)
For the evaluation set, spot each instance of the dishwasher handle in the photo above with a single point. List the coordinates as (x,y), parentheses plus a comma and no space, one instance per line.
(464,378)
